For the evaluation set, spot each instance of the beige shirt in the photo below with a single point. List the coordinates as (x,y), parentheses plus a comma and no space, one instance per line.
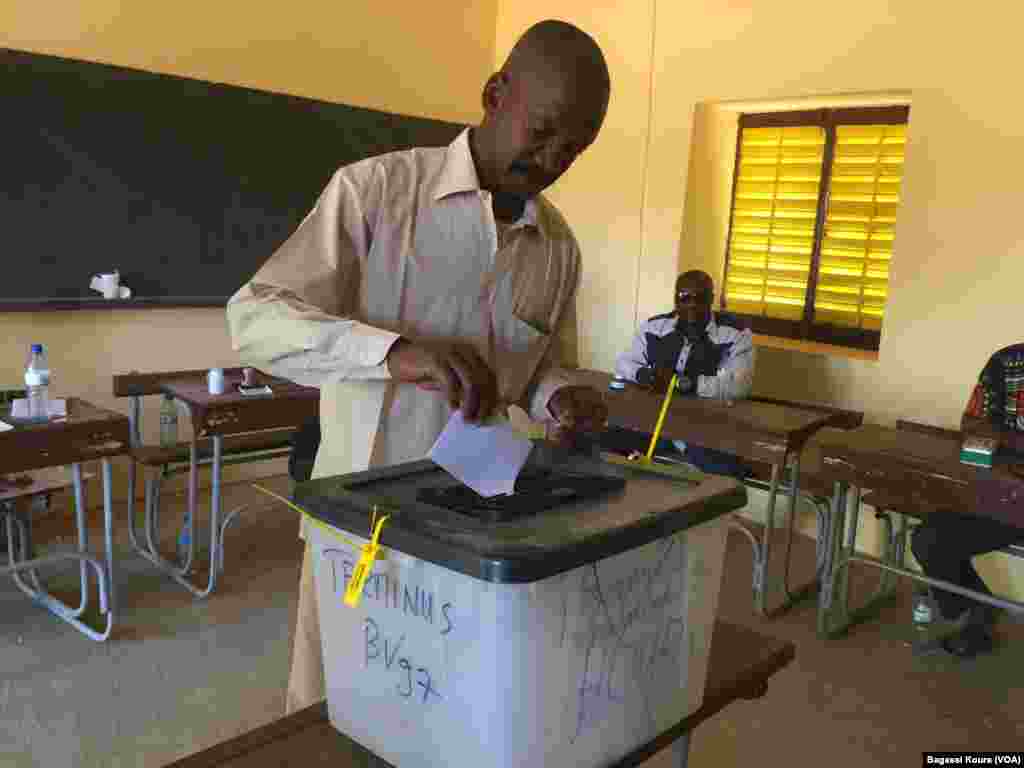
(407,244)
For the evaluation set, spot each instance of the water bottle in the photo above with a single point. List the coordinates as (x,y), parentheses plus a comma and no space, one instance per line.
(923,613)
(168,422)
(215,381)
(37,383)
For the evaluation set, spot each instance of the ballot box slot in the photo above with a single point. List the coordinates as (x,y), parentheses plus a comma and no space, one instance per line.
(536,490)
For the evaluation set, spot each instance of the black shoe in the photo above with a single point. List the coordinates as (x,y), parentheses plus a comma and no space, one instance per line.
(973,640)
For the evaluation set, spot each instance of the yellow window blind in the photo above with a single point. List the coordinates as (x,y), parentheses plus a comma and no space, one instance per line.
(774,212)
(856,248)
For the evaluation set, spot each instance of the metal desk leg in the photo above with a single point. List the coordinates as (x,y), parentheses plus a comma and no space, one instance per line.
(765,580)
(104,571)
(83,531)
(838,617)
(793,596)
(762,549)
(681,751)
(108,535)
(193,489)
(832,554)
(179,571)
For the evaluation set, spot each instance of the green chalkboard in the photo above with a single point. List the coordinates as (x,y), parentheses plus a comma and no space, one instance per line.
(185,186)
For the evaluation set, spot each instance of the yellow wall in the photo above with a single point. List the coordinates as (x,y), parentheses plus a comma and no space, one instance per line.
(430,59)
(959,257)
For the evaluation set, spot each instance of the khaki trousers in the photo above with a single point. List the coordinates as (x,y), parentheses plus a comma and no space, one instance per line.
(306,681)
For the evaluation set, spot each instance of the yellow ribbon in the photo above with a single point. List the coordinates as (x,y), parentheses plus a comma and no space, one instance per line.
(661,417)
(368,551)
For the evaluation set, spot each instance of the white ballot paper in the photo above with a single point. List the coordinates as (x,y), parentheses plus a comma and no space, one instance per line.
(485,457)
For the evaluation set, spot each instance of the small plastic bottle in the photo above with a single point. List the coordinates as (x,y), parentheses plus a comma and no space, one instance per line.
(923,613)
(37,383)
(215,381)
(168,422)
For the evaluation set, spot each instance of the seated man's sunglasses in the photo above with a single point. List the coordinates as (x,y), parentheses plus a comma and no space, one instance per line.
(693,297)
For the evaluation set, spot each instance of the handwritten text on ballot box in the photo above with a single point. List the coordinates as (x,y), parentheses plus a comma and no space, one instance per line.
(434,668)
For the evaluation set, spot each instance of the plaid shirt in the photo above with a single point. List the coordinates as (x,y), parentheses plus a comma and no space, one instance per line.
(999,394)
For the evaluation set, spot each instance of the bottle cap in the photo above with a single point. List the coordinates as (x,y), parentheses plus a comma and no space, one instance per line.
(37,349)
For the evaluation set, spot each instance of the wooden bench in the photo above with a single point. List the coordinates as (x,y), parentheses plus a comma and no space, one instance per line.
(166,461)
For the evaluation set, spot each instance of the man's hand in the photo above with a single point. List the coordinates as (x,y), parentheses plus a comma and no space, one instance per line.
(703,358)
(654,377)
(978,426)
(576,409)
(454,369)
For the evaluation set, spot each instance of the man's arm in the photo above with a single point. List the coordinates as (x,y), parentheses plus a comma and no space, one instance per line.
(983,427)
(633,359)
(291,318)
(735,373)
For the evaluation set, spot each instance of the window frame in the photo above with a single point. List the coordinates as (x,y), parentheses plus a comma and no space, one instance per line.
(806,329)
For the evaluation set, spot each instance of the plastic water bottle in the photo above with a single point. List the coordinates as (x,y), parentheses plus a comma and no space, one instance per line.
(37,383)
(168,422)
(923,613)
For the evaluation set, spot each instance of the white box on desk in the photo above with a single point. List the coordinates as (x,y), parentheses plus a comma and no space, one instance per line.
(436,669)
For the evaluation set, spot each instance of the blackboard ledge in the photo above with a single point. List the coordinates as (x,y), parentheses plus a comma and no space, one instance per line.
(61,305)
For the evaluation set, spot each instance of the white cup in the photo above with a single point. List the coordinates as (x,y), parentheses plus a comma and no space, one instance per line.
(109,284)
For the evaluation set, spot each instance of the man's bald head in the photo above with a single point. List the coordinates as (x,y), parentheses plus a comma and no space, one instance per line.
(541,109)
(555,48)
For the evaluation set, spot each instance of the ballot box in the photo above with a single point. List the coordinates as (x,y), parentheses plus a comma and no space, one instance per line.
(565,625)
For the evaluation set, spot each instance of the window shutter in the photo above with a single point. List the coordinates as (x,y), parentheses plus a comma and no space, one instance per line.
(774,212)
(864,195)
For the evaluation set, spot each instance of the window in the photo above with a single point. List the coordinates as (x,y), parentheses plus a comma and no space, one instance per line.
(815,197)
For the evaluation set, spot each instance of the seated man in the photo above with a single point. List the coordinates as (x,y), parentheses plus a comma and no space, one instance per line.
(712,356)
(946,542)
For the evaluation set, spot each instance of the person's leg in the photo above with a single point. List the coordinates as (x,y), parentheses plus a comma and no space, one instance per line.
(715,462)
(944,546)
(306,682)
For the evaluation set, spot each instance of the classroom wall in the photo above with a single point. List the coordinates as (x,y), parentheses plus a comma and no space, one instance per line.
(427,60)
(958,266)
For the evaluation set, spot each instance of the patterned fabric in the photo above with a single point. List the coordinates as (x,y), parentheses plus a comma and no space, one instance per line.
(999,393)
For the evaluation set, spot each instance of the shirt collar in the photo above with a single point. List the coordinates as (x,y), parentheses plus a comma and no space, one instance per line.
(458,175)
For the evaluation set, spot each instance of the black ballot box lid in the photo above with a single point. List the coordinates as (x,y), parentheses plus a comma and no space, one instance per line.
(529,544)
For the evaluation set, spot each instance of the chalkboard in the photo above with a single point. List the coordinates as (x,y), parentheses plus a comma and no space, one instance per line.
(185,186)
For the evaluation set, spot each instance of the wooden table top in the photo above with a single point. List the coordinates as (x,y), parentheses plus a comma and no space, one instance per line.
(87,433)
(288,405)
(754,430)
(922,470)
(741,662)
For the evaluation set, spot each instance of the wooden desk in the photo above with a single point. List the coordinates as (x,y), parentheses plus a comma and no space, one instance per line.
(87,433)
(759,431)
(215,416)
(924,473)
(740,665)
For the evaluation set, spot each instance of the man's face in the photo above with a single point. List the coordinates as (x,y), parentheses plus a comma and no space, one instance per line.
(541,125)
(693,300)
